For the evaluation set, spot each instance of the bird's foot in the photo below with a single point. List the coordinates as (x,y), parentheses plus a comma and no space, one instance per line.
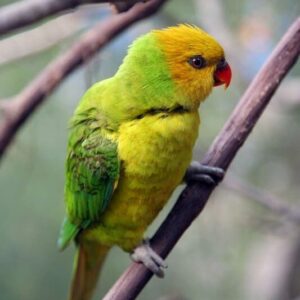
(197,172)
(146,255)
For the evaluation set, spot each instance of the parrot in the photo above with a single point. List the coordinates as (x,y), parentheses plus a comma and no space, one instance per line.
(130,145)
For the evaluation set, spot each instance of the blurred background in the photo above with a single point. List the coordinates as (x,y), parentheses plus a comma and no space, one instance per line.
(240,247)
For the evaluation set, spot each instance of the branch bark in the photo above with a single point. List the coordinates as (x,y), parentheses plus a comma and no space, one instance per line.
(27,12)
(17,110)
(194,197)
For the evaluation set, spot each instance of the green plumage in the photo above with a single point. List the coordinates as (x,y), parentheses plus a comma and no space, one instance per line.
(92,170)
(67,233)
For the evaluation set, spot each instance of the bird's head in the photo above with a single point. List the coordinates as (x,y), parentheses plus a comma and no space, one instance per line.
(174,66)
(195,59)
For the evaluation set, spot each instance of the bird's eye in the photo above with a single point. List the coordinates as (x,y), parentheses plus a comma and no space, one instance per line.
(197,62)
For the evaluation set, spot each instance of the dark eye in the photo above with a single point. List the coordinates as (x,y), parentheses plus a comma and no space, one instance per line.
(197,62)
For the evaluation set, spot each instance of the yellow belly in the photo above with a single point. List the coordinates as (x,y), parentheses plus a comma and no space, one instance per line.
(155,152)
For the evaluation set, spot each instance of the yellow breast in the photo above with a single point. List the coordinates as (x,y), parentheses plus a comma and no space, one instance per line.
(155,152)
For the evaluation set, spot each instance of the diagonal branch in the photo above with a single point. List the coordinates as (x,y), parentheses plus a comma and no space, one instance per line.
(27,12)
(23,105)
(194,197)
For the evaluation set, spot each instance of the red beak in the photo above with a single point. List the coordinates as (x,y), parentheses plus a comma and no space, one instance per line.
(222,74)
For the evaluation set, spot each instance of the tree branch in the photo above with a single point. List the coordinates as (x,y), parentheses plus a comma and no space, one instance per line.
(23,105)
(194,197)
(27,12)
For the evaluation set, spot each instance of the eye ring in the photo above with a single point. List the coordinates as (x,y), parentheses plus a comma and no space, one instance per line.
(197,62)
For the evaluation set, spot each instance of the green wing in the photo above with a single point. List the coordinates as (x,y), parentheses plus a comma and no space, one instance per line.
(92,171)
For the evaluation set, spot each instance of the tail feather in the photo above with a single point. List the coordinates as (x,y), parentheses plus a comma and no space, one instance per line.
(88,262)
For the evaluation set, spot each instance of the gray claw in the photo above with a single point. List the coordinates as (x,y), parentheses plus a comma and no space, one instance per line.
(203,178)
(205,174)
(146,255)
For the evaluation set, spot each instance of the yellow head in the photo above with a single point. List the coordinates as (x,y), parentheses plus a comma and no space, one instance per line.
(195,59)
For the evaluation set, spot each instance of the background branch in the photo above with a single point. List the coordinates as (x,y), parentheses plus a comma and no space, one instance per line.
(23,105)
(27,12)
(194,197)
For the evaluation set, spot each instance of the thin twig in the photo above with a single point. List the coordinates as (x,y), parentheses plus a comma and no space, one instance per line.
(194,197)
(28,12)
(36,92)
(268,200)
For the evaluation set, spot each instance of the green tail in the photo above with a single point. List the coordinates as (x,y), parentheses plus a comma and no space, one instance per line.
(88,262)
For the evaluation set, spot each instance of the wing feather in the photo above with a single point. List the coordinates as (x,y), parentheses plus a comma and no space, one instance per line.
(92,172)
